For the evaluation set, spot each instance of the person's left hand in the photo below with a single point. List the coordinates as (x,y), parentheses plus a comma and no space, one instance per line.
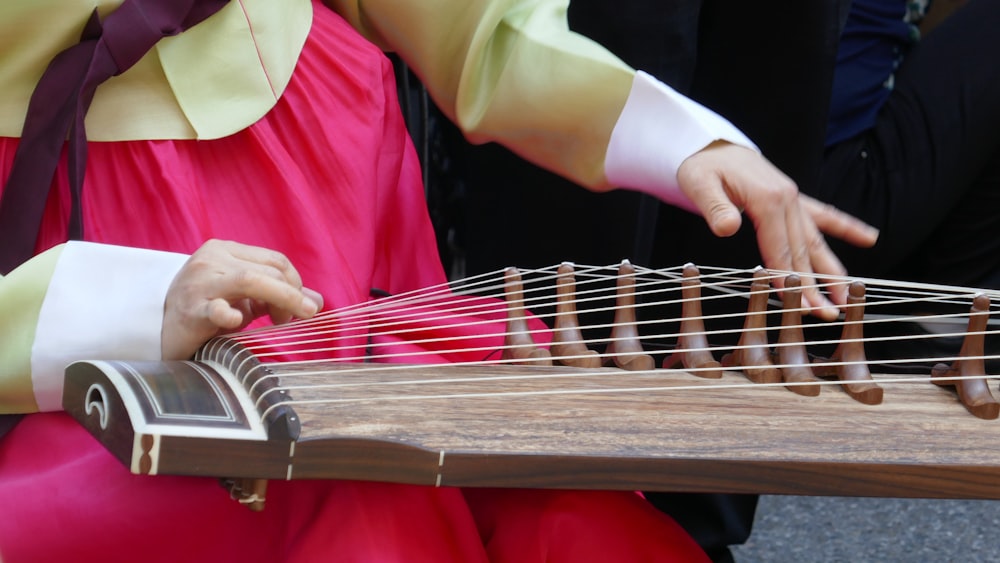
(223,287)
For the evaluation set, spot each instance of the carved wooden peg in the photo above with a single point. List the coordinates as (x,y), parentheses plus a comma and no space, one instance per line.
(251,493)
(568,345)
(852,363)
(973,392)
(753,354)
(692,345)
(625,349)
(518,344)
(792,350)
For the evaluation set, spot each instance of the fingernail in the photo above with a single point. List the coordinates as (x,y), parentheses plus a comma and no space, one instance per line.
(830,312)
(309,307)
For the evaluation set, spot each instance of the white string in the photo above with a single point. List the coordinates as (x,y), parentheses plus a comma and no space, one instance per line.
(591,391)
(429,310)
(649,337)
(324,336)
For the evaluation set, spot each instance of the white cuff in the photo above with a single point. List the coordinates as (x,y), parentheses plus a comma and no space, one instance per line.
(103,302)
(658,129)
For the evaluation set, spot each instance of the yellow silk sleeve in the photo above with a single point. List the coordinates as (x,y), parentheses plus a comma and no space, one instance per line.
(509,71)
(21,295)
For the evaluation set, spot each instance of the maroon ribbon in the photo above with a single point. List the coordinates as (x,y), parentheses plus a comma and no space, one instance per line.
(58,106)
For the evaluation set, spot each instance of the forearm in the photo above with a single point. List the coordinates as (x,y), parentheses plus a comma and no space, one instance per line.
(21,296)
(511,71)
(77,301)
(508,71)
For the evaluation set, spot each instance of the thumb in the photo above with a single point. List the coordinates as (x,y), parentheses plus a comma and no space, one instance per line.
(722,215)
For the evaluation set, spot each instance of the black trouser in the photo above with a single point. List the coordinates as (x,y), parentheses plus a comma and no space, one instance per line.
(928,174)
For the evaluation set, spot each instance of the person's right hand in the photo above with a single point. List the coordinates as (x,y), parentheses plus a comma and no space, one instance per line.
(223,287)
(725,181)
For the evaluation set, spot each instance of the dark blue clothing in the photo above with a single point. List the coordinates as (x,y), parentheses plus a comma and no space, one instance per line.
(875,39)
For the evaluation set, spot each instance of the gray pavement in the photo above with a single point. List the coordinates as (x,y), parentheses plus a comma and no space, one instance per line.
(825,529)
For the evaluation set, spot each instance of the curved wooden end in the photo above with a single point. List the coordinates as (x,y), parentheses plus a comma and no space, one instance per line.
(576,358)
(850,353)
(525,353)
(625,349)
(792,352)
(974,393)
(972,389)
(251,493)
(865,393)
(635,362)
(755,363)
(753,355)
(698,362)
(568,345)
(802,378)
(769,374)
(693,350)
(519,346)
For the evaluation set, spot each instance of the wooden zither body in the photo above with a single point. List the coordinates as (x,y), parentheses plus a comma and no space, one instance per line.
(528,421)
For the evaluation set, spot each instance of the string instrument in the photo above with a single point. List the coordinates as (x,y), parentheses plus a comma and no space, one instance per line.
(741,391)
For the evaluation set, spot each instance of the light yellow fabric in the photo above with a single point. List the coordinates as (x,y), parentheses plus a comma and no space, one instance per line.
(21,295)
(209,82)
(508,71)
